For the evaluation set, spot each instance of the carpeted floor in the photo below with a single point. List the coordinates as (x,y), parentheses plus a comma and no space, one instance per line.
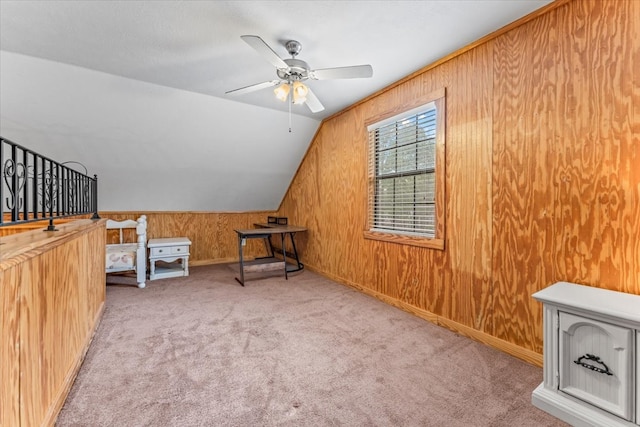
(204,351)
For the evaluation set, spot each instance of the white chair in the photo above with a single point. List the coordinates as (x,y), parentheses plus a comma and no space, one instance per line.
(129,256)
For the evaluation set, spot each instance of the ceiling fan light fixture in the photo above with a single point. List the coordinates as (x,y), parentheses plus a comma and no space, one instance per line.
(282,92)
(299,93)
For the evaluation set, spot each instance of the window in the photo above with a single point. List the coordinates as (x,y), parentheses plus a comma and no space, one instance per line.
(406,176)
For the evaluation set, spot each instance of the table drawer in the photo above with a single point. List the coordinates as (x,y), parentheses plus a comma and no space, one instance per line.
(170,250)
(176,250)
(160,251)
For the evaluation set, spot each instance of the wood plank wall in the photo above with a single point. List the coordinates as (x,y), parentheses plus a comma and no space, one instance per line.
(542,178)
(211,233)
(52,292)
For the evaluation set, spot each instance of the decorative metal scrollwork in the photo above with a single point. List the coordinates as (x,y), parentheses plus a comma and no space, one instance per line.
(12,169)
(594,368)
(50,189)
(35,188)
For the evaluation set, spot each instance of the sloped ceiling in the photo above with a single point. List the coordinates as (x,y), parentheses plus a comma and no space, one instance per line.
(135,90)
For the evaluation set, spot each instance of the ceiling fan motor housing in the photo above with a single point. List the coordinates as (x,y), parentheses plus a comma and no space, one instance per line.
(298,70)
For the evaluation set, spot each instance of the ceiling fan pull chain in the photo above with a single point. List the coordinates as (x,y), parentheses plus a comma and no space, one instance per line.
(290,102)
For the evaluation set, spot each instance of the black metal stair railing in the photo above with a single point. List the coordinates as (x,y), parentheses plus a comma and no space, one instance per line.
(36,188)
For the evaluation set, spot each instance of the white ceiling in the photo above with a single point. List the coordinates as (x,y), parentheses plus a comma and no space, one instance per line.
(135,90)
(196,46)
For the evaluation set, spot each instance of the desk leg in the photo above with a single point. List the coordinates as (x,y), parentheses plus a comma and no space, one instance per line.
(284,257)
(241,261)
(299,265)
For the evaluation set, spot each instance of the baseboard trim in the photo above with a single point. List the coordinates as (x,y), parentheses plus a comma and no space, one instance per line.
(212,261)
(497,343)
(467,331)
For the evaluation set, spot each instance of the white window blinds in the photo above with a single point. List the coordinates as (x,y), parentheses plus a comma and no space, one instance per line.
(402,166)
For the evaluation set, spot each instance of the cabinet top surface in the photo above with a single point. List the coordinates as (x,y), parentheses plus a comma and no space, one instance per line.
(168,241)
(611,303)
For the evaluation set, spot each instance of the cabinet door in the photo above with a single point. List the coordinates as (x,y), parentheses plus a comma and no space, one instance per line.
(596,363)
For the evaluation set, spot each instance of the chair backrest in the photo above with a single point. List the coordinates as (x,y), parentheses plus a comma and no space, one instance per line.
(140,225)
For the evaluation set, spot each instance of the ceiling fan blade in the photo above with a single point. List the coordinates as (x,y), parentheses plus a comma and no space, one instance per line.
(353,72)
(253,88)
(263,49)
(313,102)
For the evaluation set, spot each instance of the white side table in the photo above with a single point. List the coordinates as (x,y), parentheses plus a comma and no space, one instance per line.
(170,250)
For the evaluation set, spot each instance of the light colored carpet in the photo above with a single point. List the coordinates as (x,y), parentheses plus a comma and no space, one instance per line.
(204,351)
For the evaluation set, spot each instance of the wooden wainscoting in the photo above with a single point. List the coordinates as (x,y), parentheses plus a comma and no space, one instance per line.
(211,233)
(52,289)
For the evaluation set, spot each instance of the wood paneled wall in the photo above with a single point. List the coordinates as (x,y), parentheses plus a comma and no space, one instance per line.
(52,291)
(542,178)
(9,348)
(211,233)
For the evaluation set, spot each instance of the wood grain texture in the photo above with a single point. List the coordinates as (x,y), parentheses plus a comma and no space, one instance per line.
(484,40)
(211,233)
(567,189)
(542,177)
(9,348)
(58,285)
(597,161)
(8,230)
(522,195)
(329,197)
(468,208)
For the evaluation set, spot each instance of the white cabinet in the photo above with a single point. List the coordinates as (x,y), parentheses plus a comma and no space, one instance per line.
(591,349)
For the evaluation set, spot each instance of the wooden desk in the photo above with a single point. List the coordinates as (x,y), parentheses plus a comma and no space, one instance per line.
(269,262)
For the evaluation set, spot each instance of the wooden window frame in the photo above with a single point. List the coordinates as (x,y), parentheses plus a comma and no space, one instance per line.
(438,97)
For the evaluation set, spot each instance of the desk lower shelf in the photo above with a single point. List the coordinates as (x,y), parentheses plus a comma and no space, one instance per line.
(262,265)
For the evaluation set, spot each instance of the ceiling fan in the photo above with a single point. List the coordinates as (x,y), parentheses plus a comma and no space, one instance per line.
(292,72)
